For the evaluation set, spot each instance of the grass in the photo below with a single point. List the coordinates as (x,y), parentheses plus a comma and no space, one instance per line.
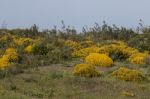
(57,82)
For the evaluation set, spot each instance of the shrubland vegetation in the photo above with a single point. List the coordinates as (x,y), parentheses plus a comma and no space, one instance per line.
(101,52)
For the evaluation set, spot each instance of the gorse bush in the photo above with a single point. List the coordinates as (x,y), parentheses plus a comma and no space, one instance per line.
(97,59)
(118,50)
(23,41)
(73,45)
(138,58)
(86,51)
(29,49)
(86,70)
(128,74)
(4,62)
(10,56)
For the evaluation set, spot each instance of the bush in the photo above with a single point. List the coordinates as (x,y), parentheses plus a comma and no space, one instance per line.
(86,51)
(99,60)
(118,50)
(66,53)
(128,74)
(54,56)
(29,49)
(73,45)
(4,62)
(138,58)
(40,49)
(23,41)
(86,70)
(10,56)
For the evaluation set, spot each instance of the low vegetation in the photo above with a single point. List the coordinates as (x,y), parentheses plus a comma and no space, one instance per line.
(101,62)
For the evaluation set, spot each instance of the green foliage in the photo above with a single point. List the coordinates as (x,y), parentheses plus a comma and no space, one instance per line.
(40,49)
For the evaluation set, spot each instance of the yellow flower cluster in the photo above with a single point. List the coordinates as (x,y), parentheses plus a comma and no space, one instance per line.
(118,48)
(9,57)
(97,59)
(86,70)
(4,62)
(28,49)
(73,45)
(11,54)
(138,58)
(22,41)
(128,74)
(86,51)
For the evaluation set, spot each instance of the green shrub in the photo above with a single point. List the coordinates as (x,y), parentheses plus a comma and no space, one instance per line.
(40,49)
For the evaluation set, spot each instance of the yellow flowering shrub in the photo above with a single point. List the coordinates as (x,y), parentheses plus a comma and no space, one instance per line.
(118,50)
(128,51)
(128,74)
(99,60)
(86,70)
(73,45)
(104,50)
(28,49)
(138,58)
(22,41)
(4,62)
(11,54)
(86,51)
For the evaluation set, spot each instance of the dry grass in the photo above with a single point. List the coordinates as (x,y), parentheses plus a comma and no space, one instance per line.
(57,82)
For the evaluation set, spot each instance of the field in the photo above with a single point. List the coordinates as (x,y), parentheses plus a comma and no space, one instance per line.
(101,63)
(57,82)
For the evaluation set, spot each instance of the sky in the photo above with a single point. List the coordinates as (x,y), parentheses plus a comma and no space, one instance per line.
(77,13)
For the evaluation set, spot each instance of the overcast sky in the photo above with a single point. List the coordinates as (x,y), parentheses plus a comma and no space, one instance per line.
(46,13)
